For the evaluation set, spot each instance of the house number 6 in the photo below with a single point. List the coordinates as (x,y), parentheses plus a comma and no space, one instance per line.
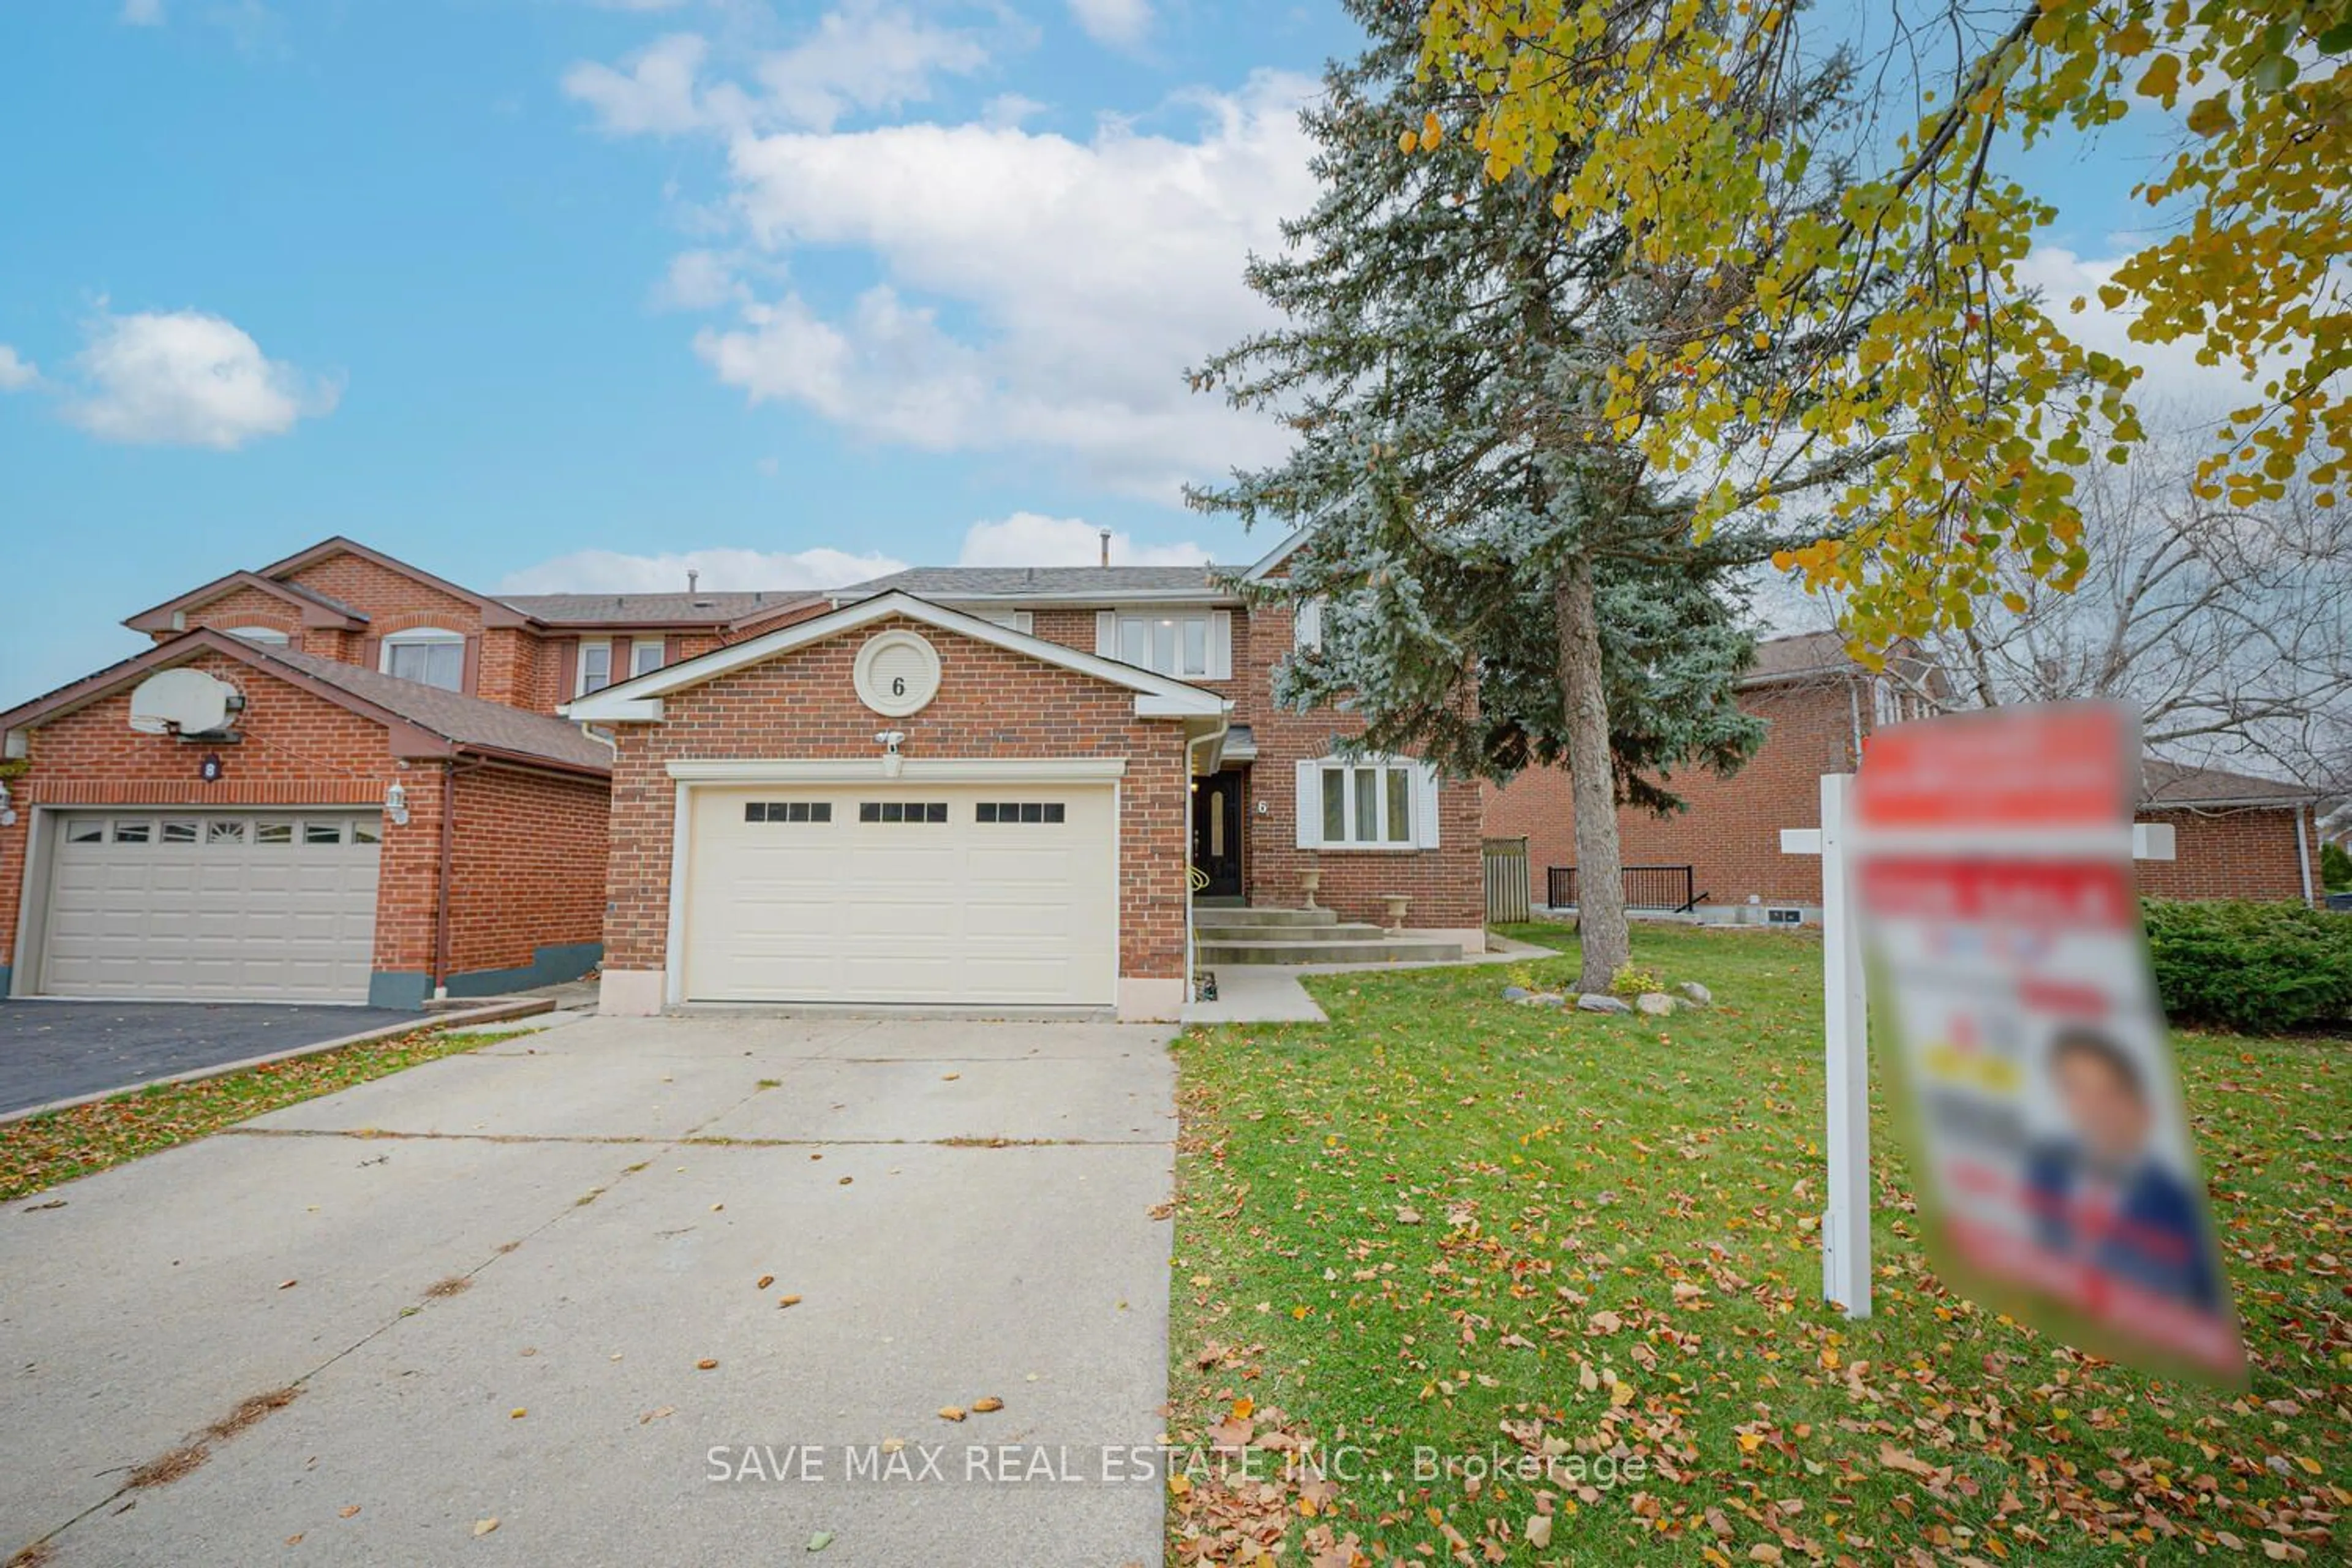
(898,685)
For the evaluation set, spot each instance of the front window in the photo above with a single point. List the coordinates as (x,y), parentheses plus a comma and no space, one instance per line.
(645,657)
(1367,804)
(1182,643)
(595,666)
(430,655)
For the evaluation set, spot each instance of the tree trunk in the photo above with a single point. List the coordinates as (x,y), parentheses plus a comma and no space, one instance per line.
(1592,780)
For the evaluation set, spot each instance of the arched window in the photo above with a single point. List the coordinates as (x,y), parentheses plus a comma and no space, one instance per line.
(269,637)
(430,655)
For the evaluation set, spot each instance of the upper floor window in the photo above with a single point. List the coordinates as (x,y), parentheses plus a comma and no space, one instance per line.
(1192,644)
(430,655)
(645,656)
(595,666)
(269,637)
(1371,802)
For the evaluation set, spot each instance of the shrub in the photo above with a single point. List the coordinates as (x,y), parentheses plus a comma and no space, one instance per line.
(2257,968)
(2334,869)
(1633,981)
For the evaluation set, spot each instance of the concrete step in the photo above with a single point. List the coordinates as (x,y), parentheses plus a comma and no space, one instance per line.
(1207,928)
(1385,949)
(1211,914)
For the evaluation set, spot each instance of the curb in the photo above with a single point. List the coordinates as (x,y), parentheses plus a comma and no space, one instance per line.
(520,1007)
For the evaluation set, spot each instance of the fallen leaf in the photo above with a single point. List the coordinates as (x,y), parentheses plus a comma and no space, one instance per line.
(657,1414)
(788,1300)
(950,1411)
(765,1280)
(347,1510)
(820,1541)
(517,1413)
(1538,1531)
(286,1285)
(949,1076)
(484,1526)
(843,1182)
(984,1407)
(705,1365)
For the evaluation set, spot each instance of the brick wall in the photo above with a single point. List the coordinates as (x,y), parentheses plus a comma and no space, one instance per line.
(1443,884)
(300,749)
(1729,831)
(991,703)
(246,607)
(527,866)
(386,596)
(2246,853)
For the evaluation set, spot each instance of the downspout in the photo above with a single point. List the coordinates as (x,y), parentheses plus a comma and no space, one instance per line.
(2302,850)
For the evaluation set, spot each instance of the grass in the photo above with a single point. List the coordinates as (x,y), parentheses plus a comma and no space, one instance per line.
(1442,1222)
(41,1151)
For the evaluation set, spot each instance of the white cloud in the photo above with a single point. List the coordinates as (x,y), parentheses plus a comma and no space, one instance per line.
(1082,279)
(868,55)
(656,95)
(185,378)
(17,372)
(1031,539)
(1119,23)
(699,281)
(141,12)
(721,570)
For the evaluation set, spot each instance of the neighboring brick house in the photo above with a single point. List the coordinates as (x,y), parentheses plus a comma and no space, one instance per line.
(990,786)
(2235,837)
(353,674)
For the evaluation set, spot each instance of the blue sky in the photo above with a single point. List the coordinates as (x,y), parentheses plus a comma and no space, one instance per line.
(555,294)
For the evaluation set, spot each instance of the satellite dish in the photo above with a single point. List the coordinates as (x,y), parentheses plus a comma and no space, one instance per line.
(186,700)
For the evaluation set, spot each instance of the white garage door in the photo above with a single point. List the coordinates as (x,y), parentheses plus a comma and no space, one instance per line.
(257,907)
(993,894)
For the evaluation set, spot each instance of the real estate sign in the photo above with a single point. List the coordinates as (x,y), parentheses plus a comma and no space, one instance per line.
(1994,883)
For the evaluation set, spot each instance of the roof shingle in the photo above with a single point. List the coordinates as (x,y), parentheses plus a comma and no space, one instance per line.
(1039,582)
(469,721)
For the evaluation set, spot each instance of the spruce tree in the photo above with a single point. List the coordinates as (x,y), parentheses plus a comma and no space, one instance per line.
(1500,582)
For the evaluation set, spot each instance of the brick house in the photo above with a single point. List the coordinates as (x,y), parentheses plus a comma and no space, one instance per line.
(382,807)
(2235,837)
(997,787)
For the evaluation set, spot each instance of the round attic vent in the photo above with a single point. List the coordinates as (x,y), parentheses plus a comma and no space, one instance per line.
(897,673)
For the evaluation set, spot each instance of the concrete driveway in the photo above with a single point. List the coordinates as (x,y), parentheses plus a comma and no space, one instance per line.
(57,1051)
(492,1282)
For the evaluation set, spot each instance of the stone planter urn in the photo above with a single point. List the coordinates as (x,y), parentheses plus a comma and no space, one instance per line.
(1396,903)
(1309,880)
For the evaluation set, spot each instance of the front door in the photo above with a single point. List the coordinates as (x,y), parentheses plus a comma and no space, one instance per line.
(1217,835)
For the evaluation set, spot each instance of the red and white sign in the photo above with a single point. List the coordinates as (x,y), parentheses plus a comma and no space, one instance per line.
(1992,863)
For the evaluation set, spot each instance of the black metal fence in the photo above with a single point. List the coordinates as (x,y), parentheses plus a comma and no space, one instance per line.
(1673,889)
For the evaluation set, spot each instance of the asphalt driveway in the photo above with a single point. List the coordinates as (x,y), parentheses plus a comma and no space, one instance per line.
(531,1284)
(57,1051)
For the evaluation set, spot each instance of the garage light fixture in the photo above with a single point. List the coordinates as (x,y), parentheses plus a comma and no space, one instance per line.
(395,805)
(890,740)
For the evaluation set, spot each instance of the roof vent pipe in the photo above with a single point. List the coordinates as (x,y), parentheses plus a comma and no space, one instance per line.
(1106,546)
(692,577)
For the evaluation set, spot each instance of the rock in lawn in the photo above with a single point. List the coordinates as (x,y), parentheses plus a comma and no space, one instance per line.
(1515,993)
(1546,999)
(1655,1004)
(1694,992)
(1594,1002)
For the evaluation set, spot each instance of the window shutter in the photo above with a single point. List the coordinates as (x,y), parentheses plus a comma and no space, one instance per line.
(1221,644)
(567,671)
(371,652)
(1424,805)
(1107,633)
(625,650)
(1307,624)
(1308,804)
(469,677)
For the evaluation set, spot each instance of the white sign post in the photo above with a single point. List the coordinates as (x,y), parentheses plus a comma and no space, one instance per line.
(1845,1222)
(1846,1007)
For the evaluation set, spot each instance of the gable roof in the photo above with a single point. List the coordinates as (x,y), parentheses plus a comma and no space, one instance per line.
(639,701)
(316,609)
(617,610)
(459,723)
(494,613)
(1045,585)
(2163,784)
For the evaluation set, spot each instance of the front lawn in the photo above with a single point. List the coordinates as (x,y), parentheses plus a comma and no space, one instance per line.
(1444,1227)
